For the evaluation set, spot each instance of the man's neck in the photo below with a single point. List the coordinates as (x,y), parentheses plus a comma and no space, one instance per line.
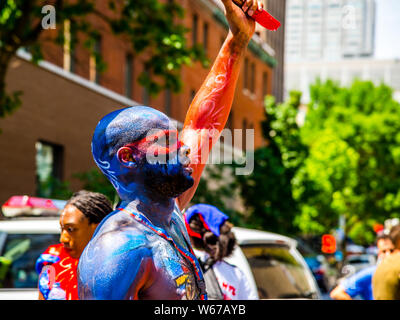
(157,209)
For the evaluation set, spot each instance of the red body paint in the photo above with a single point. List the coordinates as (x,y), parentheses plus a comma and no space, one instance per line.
(150,145)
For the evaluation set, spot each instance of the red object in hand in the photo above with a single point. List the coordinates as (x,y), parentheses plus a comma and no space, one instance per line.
(262,17)
(266,20)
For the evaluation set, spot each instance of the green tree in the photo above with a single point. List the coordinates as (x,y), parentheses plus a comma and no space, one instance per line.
(353,167)
(151,27)
(216,189)
(267,192)
(54,188)
(94,180)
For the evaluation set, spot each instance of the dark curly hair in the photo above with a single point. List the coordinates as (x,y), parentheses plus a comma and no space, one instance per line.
(217,247)
(95,206)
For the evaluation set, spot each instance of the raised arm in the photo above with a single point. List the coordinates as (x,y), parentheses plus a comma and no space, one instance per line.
(209,110)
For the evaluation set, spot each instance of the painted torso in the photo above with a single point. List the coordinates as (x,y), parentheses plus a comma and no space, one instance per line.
(128,259)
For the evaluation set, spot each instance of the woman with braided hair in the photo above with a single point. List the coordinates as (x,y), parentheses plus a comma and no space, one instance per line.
(213,240)
(78,221)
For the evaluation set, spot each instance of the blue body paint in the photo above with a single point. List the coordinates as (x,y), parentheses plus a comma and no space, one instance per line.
(143,251)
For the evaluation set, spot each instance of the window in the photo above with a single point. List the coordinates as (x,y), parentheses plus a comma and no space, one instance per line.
(69,58)
(145,91)
(265,84)
(94,72)
(229,122)
(244,127)
(129,75)
(205,37)
(72,67)
(246,74)
(253,78)
(192,95)
(97,50)
(195,23)
(49,167)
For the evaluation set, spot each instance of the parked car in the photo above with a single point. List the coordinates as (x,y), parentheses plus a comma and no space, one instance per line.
(28,226)
(273,265)
(324,274)
(355,262)
(271,262)
(22,240)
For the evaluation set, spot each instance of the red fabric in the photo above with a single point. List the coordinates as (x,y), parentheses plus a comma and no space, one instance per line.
(65,271)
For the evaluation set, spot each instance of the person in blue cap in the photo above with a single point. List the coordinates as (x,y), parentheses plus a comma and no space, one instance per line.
(213,240)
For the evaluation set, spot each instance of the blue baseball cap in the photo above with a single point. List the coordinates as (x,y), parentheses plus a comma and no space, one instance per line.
(211,217)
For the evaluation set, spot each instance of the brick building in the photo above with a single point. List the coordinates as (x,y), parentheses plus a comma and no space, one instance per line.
(276,40)
(208,27)
(64,97)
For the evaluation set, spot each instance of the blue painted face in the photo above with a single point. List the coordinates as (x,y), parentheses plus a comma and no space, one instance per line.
(152,156)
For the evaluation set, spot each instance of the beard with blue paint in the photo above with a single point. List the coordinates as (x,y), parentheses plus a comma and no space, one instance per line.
(138,150)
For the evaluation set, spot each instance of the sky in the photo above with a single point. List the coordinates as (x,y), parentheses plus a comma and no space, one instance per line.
(387,31)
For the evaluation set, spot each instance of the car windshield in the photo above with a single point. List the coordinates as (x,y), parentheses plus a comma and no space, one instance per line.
(18,254)
(278,274)
(304,249)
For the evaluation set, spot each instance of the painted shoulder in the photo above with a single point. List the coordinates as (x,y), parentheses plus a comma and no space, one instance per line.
(105,267)
(119,233)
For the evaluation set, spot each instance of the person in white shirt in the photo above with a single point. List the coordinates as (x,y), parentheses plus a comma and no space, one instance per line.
(212,240)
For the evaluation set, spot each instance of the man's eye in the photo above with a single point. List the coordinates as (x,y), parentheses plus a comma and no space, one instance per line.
(70,229)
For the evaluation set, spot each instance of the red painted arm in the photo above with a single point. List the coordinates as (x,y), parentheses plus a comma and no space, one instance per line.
(209,111)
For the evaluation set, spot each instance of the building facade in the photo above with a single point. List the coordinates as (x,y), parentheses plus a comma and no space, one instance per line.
(208,28)
(332,39)
(329,29)
(276,40)
(301,75)
(65,96)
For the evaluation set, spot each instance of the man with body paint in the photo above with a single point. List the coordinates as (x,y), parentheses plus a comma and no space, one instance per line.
(142,249)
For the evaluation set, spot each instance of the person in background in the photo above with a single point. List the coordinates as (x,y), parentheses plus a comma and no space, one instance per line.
(78,220)
(213,240)
(360,284)
(386,280)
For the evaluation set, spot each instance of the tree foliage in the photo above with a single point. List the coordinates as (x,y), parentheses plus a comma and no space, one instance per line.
(344,161)
(94,180)
(353,166)
(267,192)
(152,28)
(216,189)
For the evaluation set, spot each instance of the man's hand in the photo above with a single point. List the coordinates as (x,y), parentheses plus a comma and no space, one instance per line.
(209,110)
(240,23)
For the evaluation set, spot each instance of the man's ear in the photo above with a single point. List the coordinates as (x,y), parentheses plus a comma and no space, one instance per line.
(126,157)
